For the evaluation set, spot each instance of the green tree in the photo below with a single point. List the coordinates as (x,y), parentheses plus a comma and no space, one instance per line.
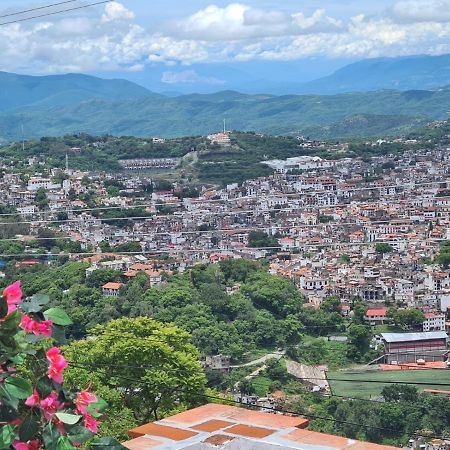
(41,198)
(358,341)
(384,248)
(400,393)
(331,304)
(155,365)
(407,318)
(246,387)
(101,276)
(276,294)
(259,239)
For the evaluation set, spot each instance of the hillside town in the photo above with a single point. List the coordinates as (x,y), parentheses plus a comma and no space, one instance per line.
(345,227)
(368,233)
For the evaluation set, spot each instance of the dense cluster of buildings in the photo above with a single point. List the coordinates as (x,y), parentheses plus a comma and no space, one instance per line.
(346,227)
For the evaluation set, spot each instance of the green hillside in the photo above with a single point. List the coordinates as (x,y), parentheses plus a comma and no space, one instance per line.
(383,112)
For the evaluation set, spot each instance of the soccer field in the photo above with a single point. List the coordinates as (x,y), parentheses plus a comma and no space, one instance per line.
(353,388)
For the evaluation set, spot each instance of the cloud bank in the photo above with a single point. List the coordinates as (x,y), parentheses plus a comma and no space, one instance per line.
(112,40)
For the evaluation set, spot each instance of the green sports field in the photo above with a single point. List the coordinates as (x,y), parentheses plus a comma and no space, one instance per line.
(353,388)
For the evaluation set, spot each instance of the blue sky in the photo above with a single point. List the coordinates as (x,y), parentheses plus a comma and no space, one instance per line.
(173,43)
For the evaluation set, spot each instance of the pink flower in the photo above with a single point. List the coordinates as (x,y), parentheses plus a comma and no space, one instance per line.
(84,399)
(90,423)
(33,399)
(30,445)
(57,364)
(37,328)
(50,405)
(13,294)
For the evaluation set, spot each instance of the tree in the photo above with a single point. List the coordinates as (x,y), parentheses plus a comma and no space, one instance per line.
(384,248)
(407,318)
(400,393)
(331,304)
(128,247)
(359,311)
(246,387)
(358,341)
(276,294)
(99,277)
(238,270)
(155,365)
(41,198)
(259,239)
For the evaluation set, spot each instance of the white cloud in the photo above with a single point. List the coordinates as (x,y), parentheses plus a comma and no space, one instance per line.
(238,21)
(116,11)
(88,41)
(413,11)
(189,77)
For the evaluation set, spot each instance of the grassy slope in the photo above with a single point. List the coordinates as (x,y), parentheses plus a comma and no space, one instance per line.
(370,390)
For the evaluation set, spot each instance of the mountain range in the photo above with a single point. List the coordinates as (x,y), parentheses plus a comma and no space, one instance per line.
(357,100)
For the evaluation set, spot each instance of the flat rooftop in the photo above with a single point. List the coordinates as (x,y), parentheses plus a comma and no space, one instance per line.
(222,427)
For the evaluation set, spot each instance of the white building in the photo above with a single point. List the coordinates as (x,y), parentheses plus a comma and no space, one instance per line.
(220,138)
(36,183)
(434,322)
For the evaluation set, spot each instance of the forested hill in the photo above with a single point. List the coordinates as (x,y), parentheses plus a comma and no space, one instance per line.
(335,116)
(45,92)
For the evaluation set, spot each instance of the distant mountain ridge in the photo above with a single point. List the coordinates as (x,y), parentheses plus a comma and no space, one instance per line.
(407,73)
(17,91)
(294,78)
(332,116)
(64,104)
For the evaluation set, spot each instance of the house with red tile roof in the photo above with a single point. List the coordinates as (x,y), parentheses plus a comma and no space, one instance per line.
(111,289)
(377,316)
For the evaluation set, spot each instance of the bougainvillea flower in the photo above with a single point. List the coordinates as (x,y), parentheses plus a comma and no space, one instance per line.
(90,423)
(33,399)
(83,400)
(30,445)
(50,405)
(57,364)
(13,294)
(37,328)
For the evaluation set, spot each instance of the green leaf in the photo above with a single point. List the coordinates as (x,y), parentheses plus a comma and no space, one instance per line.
(79,434)
(44,387)
(28,429)
(10,324)
(95,409)
(100,404)
(7,413)
(3,307)
(69,419)
(107,443)
(57,316)
(35,303)
(7,436)
(64,444)
(32,339)
(50,437)
(18,387)
(7,398)
(59,335)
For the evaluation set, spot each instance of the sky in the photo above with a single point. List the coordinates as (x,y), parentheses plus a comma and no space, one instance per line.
(177,42)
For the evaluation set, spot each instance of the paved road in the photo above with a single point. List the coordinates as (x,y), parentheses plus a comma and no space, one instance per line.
(275,355)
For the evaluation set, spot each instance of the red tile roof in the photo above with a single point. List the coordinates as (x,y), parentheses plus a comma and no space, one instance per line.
(219,424)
